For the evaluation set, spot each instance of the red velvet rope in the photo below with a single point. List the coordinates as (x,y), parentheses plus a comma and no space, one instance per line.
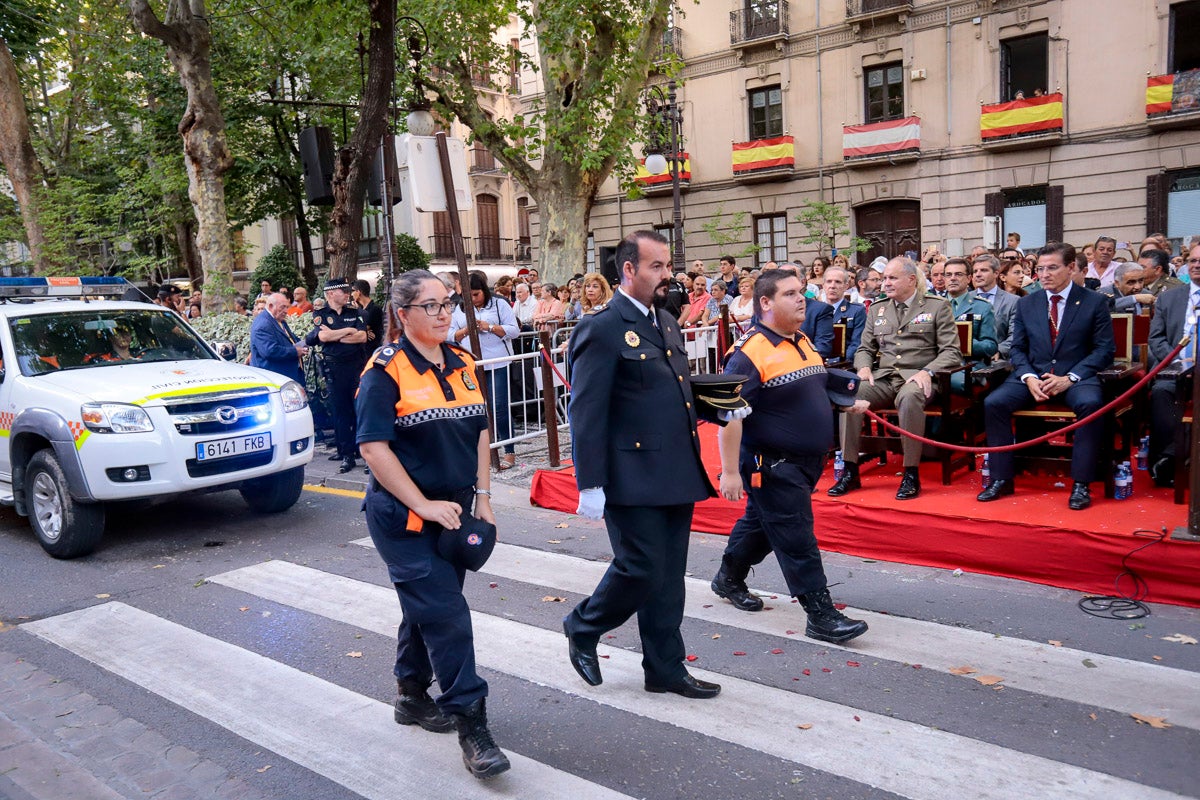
(561,377)
(1045,437)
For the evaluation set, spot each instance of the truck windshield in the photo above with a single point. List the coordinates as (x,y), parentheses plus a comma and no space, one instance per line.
(108,337)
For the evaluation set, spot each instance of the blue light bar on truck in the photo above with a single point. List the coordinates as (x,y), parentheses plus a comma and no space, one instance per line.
(63,287)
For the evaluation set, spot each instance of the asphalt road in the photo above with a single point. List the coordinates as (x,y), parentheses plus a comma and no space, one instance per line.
(208,652)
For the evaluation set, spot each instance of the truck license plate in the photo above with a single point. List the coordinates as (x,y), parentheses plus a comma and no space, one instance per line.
(233,446)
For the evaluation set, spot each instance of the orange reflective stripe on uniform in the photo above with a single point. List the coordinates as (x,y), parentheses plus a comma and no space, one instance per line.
(422,397)
(782,363)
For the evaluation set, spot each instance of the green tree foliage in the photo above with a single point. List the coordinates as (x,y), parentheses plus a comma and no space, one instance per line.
(730,236)
(824,223)
(278,267)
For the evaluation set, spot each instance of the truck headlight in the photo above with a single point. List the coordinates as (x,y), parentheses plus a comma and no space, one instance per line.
(115,418)
(293,396)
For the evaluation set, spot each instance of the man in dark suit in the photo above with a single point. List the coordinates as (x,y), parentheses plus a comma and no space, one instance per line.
(835,281)
(1175,314)
(273,346)
(637,463)
(1062,337)
(818,326)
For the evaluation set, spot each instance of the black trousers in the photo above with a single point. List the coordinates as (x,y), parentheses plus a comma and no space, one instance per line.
(779,518)
(645,578)
(1013,395)
(1165,416)
(343,383)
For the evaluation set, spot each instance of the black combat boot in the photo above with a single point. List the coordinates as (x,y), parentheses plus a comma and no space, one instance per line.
(480,754)
(848,482)
(827,623)
(414,706)
(730,583)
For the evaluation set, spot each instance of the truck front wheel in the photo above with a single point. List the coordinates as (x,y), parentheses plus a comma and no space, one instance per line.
(65,527)
(274,493)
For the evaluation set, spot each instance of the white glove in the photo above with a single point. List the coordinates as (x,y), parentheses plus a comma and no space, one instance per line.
(591,503)
(735,413)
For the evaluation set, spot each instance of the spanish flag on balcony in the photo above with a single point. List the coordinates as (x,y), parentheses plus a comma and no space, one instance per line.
(1159,89)
(779,151)
(881,138)
(1179,92)
(1020,117)
(646,178)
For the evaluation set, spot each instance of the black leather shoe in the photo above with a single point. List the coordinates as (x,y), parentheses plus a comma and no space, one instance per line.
(584,660)
(910,484)
(1081,497)
(730,583)
(998,488)
(847,483)
(347,465)
(1162,472)
(688,687)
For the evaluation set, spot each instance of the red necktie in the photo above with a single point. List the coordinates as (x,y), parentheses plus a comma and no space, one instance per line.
(1054,301)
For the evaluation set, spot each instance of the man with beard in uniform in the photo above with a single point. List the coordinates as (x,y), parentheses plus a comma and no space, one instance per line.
(341,332)
(637,464)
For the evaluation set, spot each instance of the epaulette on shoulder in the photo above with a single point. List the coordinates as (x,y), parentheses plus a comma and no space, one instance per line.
(745,337)
(597,309)
(938,297)
(384,355)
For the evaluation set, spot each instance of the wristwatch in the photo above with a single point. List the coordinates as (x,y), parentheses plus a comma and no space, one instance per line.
(1073,378)
(487,492)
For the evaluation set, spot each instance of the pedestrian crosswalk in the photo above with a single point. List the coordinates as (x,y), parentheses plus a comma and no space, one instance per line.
(350,739)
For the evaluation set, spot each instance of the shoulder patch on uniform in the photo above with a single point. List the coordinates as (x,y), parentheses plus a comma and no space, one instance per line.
(745,337)
(937,297)
(597,309)
(384,355)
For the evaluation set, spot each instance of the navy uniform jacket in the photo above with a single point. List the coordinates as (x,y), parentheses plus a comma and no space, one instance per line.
(854,317)
(1084,345)
(818,325)
(272,346)
(339,352)
(633,423)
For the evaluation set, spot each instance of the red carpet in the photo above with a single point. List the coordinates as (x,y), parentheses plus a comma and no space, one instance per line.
(1031,536)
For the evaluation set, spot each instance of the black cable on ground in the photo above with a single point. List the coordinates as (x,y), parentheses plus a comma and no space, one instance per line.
(1123,606)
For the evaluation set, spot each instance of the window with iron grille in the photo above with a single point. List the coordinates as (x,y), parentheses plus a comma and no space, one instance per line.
(766,112)
(770,234)
(884,92)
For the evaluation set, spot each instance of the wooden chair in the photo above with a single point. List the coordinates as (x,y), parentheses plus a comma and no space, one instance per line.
(1121,425)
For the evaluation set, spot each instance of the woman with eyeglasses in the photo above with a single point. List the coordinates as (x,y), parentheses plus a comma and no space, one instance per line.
(497,324)
(422,429)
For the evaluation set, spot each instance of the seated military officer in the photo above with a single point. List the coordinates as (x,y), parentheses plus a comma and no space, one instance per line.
(909,337)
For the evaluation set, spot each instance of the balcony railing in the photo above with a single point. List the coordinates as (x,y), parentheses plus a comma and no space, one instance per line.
(485,248)
(862,10)
(1173,100)
(758,21)
(672,44)
(891,141)
(442,245)
(764,159)
(1031,122)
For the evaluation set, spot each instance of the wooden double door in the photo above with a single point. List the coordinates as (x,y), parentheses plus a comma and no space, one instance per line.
(893,228)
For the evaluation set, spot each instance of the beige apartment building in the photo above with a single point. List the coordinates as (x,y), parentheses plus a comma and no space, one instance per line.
(1065,118)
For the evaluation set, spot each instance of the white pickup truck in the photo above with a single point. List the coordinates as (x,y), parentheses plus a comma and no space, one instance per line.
(109,400)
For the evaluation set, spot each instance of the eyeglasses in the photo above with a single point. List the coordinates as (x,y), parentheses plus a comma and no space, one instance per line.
(434,309)
(1193,261)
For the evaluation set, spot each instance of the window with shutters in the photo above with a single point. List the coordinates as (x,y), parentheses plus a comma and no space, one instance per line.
(487,210)
(1183,206)
(770,234)
(884,92)
(766,112)
(590,259)
(1024,67)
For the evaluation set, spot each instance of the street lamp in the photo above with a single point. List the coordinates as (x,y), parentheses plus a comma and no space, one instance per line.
(664,111)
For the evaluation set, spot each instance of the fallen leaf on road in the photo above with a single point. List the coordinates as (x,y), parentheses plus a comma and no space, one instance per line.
(552,599)
(716,636)
(1157,658)
(1153,722)
(988,680)
(263,769)
(355,654)
(1087,662)
(804,726)
(1092,716)
(1056,643)
(554,541)
(158,566)
(563,524)
(963,670)
(1180,638)
(104,596)
(244,608)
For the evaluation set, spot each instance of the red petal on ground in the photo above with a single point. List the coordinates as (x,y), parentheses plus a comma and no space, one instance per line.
(739,652)
(806,672)
(826,669)
(692,657)
(853,664)
(776,652)
(840,606)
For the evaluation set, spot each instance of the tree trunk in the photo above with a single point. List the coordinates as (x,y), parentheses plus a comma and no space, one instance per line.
(188,38)
(16,152)
(189,259)
(352,167)
(563,224)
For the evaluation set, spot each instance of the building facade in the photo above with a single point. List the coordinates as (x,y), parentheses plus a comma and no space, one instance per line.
(1068,119)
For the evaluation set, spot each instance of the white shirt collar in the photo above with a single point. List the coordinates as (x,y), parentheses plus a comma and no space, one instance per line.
(1063,294)
(636,303)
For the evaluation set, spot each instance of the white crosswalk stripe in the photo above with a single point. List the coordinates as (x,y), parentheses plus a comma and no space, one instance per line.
(332,731)
(906,758)
(1115,683)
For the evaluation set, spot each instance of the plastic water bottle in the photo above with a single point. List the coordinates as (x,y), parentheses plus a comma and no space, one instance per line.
(1143,453)
(1128,481)
(839,466)
(1121,489)
(985,472)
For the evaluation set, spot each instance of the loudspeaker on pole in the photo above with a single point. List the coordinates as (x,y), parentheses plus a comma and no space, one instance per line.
(316,154)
